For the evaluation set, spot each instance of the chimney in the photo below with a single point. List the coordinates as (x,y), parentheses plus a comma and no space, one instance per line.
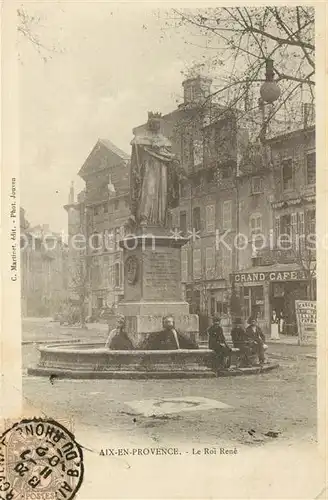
(71,194)
(196,89)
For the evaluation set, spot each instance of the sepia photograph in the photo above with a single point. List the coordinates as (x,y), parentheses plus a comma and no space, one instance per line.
(164,252)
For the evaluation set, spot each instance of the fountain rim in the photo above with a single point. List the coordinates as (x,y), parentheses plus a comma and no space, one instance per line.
(97,348)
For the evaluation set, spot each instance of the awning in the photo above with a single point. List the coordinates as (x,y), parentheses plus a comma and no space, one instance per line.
(275,272)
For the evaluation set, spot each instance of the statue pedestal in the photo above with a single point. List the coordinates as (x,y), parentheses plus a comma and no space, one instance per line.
(152,286)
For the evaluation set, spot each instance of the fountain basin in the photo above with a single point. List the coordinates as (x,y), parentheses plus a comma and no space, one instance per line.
(85,361)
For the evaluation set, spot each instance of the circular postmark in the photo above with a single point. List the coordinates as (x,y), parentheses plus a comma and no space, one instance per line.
(131,266)
(39,460)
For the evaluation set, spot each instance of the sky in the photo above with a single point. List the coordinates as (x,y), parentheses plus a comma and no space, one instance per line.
(111,65)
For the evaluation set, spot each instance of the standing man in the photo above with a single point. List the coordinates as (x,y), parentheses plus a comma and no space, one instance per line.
(255,338)
(218,344)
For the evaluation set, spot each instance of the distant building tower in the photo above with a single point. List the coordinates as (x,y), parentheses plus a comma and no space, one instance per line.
(71,194)
(196,89)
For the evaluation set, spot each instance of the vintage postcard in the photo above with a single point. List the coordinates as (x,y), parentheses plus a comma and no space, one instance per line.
(163,250)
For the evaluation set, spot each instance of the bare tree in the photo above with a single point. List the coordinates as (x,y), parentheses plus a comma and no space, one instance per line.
(79,280)
(238,41)
(28,27)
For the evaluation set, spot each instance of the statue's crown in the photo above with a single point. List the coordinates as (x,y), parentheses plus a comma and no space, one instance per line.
(156,116)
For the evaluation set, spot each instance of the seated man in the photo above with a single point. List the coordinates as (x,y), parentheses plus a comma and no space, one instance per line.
(169,338)
(218,344)
(255,339)
(240,341)
(118,339)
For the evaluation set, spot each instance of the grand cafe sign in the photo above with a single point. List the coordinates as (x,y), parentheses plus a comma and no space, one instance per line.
(269,276)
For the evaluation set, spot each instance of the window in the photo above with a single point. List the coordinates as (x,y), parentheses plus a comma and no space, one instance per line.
(184,265)
(197,263)
(117,274)
(116,204)
(96,210)
(226,214)
(255,224)
(213,306)
(183,222)
(255,229)
(310,167)
(198,183)
(256,185)
(301,228)
(226,261)
(198,152)
(95,273)
(109,240)
(285,232)
(110,208)
(117,237)
(287,174)
(210,175)
(210,262)
(310,221)
(105,208)
(210,218)
(196,219)
(253,301)
(96,242)
(175,219)
(277,228)
(184,190)
(122,232)
(294,227)
(226,172)
(169,220)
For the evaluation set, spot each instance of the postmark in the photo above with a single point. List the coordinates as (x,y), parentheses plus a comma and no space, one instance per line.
(39,460)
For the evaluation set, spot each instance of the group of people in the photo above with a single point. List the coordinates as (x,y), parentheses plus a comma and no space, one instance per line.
(250,341)
(166,339)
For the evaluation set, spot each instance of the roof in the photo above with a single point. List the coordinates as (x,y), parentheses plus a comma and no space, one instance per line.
(109,145)
(104,155)
(289,135)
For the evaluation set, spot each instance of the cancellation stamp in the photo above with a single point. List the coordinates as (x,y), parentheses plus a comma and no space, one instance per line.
(39,460)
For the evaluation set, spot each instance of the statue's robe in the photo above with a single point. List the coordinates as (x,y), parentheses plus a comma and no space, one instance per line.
(154,179)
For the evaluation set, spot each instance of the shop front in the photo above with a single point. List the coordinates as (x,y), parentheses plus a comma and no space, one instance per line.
(269,293)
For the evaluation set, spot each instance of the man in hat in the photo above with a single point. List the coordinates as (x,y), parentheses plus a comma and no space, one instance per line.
(255,339)
(218,344)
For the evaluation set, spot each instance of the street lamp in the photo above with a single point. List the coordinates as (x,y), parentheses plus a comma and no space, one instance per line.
(269,90)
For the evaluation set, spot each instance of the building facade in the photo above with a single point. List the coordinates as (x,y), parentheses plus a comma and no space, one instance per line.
(44,282)
(277,214)
(99,214)
(205,137)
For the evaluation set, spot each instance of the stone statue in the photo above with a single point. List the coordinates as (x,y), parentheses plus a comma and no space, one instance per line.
(155,176)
